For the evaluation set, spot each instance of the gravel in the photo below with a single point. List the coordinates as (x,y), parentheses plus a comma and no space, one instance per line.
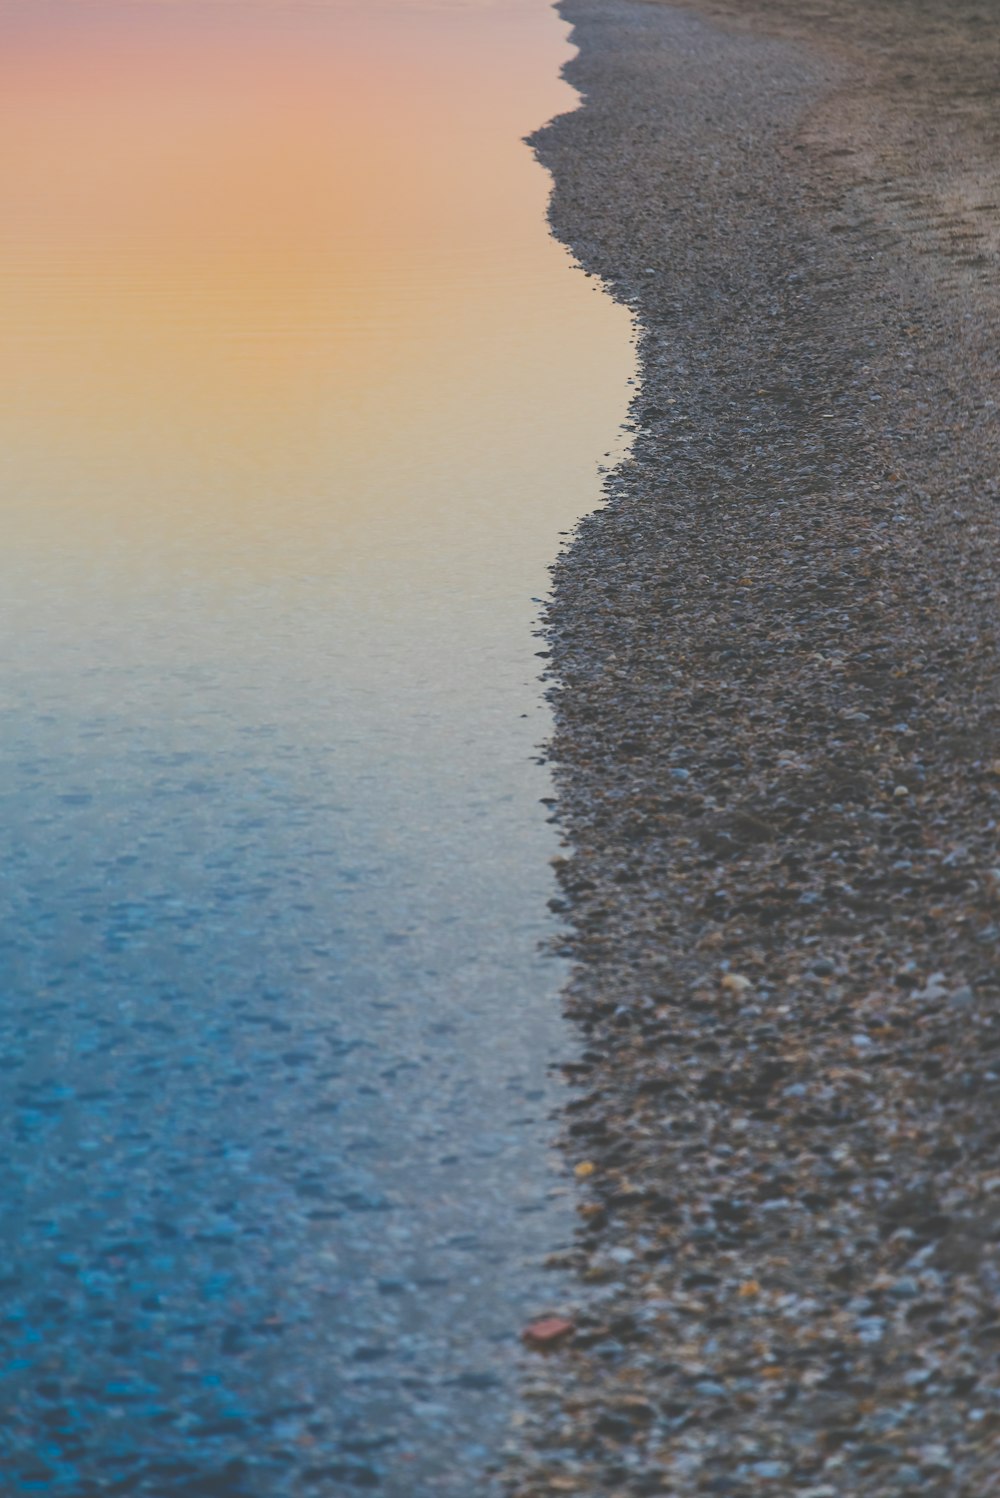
(774,675)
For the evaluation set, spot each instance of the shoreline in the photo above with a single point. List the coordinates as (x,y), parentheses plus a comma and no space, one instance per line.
(778,765)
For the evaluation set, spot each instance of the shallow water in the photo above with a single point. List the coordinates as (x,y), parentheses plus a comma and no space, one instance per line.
(296,396)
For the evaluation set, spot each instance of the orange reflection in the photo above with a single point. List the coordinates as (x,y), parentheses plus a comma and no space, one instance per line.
(237,235)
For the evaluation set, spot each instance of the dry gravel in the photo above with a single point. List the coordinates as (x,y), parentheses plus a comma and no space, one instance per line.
(778,762)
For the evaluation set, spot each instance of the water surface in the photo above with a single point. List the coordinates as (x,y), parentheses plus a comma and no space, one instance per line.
(296,396)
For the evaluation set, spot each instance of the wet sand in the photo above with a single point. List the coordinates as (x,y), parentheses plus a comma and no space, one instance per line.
(774,675)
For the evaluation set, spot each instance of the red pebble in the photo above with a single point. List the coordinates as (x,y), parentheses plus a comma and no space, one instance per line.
(547,1332)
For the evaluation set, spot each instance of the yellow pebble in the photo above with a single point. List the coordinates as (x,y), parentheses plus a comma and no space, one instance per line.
(736,983)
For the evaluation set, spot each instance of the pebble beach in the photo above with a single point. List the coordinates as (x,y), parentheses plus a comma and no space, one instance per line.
(774,675)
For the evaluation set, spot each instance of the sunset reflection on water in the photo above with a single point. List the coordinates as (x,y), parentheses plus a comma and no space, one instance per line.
(296,395)
(280,242)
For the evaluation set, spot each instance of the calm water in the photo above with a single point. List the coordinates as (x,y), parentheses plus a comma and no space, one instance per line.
(296,396)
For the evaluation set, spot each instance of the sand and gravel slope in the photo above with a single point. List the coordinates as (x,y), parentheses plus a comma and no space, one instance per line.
(774,671)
